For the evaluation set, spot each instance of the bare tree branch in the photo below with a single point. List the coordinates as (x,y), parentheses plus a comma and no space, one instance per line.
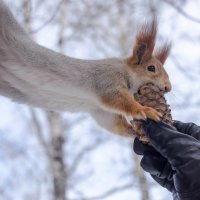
(49,20)
(38,131)
(183,70)
(108,193)
(79,157)
(181,11)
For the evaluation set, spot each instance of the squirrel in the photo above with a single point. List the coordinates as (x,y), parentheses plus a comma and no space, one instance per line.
(118,84)
(38,76)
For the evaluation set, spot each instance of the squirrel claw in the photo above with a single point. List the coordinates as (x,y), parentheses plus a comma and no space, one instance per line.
(152,113)
(140,114)
(147,112)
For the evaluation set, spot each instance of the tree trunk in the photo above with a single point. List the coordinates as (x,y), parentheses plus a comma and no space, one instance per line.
(57,155)
(141,179)
(56,129)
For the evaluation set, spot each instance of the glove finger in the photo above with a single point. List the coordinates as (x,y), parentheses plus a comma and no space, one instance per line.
(170,143)
(168,184)
(157,166)
(188,128)
(140,148)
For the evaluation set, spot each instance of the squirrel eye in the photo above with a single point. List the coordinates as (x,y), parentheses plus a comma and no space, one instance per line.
(151,68)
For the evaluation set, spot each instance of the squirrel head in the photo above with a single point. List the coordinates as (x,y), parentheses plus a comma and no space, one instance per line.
(146,64)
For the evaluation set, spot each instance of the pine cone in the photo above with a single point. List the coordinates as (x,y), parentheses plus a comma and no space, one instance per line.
(151,95)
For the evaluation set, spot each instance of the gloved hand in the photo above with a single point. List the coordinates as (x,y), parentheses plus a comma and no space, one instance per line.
(173,160)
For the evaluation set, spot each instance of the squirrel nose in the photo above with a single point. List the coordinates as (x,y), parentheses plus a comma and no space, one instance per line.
(167,87)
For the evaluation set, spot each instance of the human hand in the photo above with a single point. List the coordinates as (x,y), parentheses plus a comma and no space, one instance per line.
(173,160)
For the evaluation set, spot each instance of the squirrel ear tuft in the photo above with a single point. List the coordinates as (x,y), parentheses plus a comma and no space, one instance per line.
(163,52)
(145,42)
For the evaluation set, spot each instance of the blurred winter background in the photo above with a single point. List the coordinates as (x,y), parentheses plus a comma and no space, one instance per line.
(56,156)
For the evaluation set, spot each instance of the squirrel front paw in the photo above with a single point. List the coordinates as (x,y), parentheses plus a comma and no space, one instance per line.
(145,112)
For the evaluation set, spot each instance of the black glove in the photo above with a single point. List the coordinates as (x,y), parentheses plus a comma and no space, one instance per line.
(173,160)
